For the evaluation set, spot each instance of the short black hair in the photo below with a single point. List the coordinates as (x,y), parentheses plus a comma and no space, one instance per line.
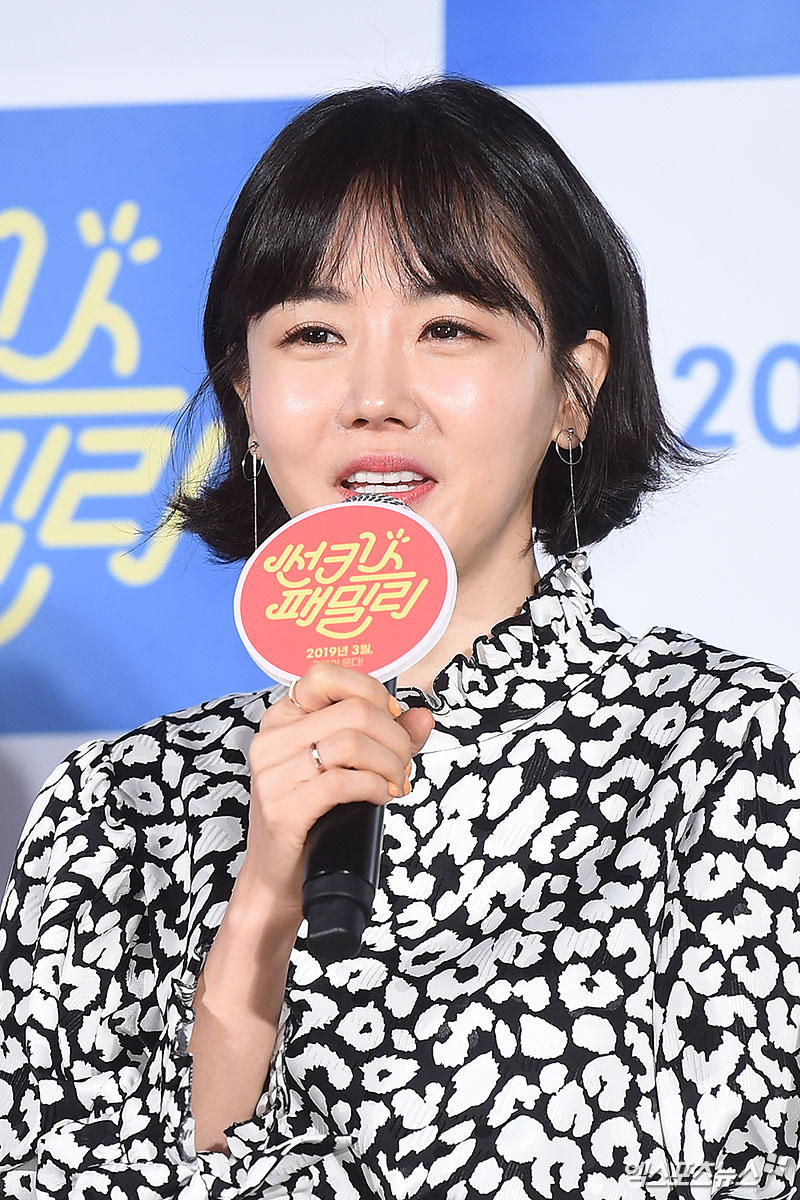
(472,192)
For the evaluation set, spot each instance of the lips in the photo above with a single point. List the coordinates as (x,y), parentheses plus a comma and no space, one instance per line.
(385,475)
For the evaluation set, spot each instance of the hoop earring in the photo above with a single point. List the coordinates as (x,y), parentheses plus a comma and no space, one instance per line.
(257,464)
(573,457)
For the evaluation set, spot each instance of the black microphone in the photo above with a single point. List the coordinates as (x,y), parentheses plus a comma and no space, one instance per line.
(343,856)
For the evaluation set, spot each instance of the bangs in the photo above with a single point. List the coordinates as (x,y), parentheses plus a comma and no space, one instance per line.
(444,245)
(441,216)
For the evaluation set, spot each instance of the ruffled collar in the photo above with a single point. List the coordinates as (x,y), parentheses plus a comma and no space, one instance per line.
(557,639)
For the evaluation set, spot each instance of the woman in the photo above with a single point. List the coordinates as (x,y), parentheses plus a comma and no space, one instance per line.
(582,968)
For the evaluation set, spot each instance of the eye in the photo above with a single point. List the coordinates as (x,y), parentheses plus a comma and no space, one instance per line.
(450,331)
(310,335)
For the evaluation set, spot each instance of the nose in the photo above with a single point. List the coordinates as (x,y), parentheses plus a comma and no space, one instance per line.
(379,391)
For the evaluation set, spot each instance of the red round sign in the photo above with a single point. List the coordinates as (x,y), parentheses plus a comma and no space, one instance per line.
(369,585)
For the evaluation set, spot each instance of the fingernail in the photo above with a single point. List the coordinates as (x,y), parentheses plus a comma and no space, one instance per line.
(394,790)
(394,707)
(406,788)
(408,768)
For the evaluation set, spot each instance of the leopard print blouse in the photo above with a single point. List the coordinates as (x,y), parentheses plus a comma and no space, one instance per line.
(582,976)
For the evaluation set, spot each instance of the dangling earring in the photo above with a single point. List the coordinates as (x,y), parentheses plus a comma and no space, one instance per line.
(575,454)
(257,464)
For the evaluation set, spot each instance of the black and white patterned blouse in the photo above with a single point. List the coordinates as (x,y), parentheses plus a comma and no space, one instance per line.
(582,977)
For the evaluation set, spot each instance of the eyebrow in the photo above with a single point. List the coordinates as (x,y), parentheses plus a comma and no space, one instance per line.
(412,291)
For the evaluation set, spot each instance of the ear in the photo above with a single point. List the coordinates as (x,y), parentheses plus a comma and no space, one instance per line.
(592,356)
(242,389)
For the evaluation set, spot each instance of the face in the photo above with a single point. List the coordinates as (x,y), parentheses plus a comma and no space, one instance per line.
(368,386)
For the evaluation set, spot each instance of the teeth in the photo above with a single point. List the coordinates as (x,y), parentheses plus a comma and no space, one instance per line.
(384,478)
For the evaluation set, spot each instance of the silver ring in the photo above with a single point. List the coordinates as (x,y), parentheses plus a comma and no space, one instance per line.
(294,699)
(318,763)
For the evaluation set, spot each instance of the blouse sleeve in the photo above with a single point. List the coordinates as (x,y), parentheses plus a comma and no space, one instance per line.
(95,1074)
(727,991)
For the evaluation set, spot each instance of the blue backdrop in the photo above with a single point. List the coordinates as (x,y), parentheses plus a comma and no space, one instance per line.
(85,429)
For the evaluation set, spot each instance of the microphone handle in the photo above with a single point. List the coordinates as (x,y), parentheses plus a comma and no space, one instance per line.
(343,855)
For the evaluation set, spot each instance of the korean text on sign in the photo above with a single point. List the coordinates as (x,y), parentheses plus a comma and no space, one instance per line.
(337,587)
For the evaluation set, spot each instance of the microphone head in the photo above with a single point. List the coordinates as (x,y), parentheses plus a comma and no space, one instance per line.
(358,498)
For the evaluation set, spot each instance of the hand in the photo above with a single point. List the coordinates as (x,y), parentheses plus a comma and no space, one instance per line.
(365,743)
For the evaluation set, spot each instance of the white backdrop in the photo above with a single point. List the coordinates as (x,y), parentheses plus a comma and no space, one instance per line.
(701,173)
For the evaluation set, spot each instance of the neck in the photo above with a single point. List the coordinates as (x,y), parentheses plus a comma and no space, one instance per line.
(480,604)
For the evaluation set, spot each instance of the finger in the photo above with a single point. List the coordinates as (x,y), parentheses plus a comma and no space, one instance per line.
(355,751)
(274,745)
(347,749)
(334,787)
(326,683)
(417,723)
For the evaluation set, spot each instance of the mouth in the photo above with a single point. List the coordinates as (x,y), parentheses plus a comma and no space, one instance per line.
(407,482)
